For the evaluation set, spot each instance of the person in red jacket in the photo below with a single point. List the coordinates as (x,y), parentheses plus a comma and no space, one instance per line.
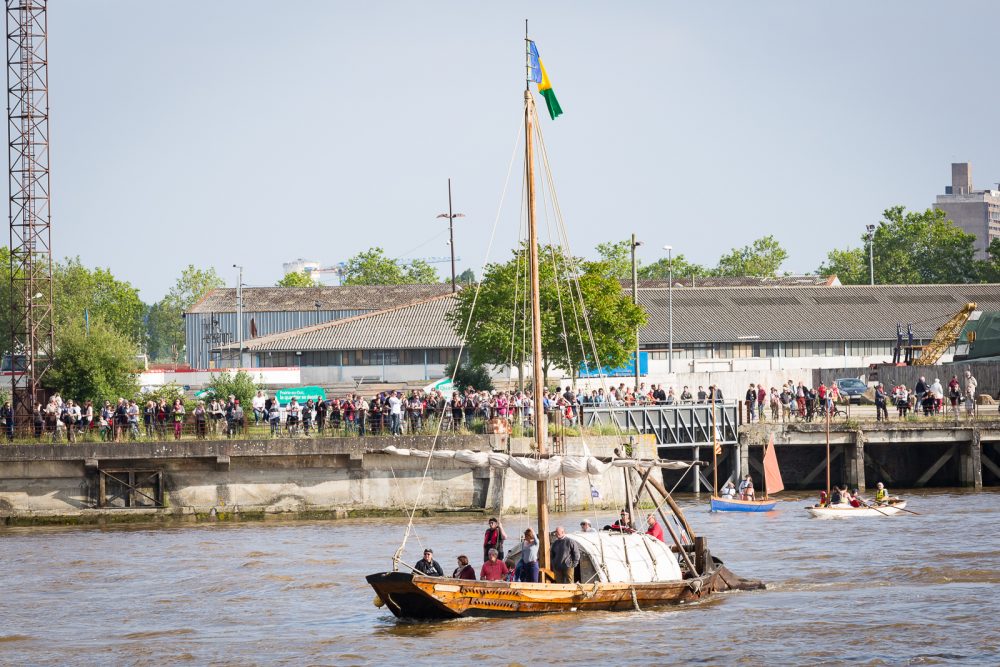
(654,528)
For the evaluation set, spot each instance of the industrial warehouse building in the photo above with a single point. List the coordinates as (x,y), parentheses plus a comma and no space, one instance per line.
(715,329)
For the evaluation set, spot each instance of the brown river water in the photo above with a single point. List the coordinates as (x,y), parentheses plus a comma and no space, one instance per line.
(905,590)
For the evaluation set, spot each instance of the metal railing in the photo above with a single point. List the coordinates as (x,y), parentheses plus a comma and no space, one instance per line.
(673,425)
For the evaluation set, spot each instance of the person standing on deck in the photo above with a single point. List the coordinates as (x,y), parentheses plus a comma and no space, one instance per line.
(494,538)
(564,557)
(654,527)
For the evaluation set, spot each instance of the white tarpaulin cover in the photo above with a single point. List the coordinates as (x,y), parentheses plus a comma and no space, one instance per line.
(648,559)
(530,468)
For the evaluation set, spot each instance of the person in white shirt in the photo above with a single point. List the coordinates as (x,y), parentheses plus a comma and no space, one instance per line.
(395,414)
(258,407)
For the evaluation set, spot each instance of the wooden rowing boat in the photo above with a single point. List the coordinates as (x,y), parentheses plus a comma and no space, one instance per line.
(847,512)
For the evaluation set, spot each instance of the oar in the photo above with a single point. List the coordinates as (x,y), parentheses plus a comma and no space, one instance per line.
(903,509)
(871,506)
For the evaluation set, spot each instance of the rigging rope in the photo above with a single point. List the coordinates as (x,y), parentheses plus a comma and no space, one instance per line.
(437,434)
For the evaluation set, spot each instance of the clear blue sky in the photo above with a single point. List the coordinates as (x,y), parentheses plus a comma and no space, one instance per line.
(251,132)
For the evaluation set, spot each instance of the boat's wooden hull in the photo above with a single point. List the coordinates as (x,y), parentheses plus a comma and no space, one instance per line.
(418,597)
(847,512)
(737,505)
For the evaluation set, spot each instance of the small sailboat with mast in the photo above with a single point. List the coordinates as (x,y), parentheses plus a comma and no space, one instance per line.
(618,570)
(772,479)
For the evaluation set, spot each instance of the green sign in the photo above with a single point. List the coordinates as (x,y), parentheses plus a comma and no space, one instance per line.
(300,394)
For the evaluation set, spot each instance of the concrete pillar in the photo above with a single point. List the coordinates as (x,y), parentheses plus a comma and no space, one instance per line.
(970,462)
(742,459)
(854,462)
(737,461)
(695,480)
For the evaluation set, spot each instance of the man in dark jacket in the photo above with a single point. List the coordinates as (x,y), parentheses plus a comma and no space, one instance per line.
(564,557)
(428,566)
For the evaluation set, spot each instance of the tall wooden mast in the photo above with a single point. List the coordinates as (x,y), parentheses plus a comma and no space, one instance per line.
(538,391)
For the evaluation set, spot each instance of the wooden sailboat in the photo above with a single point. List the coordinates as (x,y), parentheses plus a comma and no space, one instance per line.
(772,480)
(845,510)
(617,570)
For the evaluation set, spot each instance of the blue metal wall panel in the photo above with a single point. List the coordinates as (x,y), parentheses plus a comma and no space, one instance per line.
(266,323)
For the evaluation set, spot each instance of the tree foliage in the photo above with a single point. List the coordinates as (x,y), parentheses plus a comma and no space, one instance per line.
(99,365)
(761,259)
(466,277)
(165,322)
(296,279)
(912,247)
(617,255)
(77,290)
(475,376)
(500,331)
(374,267)
(681,268)
(239,384)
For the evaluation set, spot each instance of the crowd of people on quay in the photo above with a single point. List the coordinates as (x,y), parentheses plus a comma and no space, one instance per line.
(410,411)
(564,554)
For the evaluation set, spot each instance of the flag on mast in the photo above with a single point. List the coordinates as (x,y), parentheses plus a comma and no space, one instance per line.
(541,77)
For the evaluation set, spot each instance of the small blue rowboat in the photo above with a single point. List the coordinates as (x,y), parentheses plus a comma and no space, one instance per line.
(737,505)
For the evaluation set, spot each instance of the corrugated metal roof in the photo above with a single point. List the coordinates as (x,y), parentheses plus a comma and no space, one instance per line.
(700,314)
(413,326)
(848,312)
(741,281)
(284,299)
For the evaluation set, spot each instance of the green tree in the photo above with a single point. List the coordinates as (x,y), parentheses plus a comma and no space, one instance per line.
(468,375)
(913,247)
(77,290)
(296,279)
(990,268)
(419,272)
(850,265)
(99,365)
(165,321)
(661,269)
(466,277)
(239,384)
(499,334)
(374,267)
(762,258)
(618,256)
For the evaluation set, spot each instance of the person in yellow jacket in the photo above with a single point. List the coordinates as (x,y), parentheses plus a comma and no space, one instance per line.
(881,494)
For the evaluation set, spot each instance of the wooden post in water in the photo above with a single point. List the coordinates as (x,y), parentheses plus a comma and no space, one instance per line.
(827,454)
(538,391)
(715,448)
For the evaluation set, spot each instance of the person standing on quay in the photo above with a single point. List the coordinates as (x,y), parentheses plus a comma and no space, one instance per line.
(970,393)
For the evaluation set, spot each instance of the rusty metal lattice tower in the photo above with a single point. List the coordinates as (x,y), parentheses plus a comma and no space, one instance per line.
(30,234)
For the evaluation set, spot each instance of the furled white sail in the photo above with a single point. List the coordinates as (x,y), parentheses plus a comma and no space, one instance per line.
(536,469)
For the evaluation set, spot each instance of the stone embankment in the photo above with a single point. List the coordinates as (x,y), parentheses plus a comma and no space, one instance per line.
(280,478)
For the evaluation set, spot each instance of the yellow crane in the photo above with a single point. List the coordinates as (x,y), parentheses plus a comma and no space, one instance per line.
(946,336)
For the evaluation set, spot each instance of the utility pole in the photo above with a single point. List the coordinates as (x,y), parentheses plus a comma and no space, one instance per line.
(239,316)
(635,301)
(670,305)
(871,254)
(451,235)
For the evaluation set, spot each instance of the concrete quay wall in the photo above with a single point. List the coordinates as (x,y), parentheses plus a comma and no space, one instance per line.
(309,477)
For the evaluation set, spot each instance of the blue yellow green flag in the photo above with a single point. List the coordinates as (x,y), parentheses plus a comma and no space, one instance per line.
(541,77)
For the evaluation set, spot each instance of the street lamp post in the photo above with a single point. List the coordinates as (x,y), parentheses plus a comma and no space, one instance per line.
(635,301)
(670,305)
(451,235)
(871,254)
(239,316)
